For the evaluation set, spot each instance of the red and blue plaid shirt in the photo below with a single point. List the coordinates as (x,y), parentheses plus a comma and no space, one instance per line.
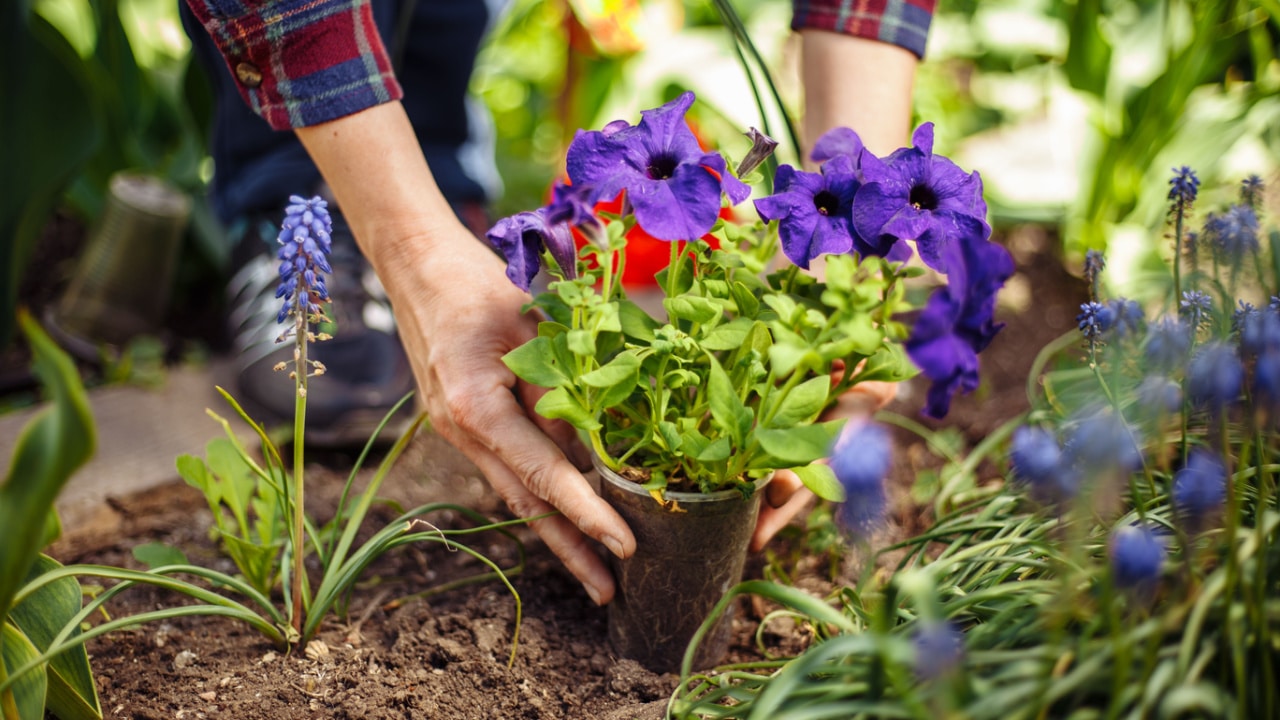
(304,62)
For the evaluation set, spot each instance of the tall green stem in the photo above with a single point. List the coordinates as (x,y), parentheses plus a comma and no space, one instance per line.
(299,425)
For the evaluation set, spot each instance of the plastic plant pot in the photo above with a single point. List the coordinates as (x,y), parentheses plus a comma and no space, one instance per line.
(689,553)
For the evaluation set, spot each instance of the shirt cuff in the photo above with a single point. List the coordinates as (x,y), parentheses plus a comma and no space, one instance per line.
(301,62)
(904,23)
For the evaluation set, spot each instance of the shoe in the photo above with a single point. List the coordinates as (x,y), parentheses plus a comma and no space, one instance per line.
(366,369)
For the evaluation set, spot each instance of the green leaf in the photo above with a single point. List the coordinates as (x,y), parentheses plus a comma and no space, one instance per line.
(157,554)
(692,308)
(558,404)
(803,403)
(670,434)
(53,445)
(29,690)
(623,368)
(863,333)
(748,304)
(537,363)
(581,343)
(1088,62)
(890,364)
(727,409)
(71,693)
(715,451)
(729,336)
(802,444)
(232,473)
(635,322)
(821,480)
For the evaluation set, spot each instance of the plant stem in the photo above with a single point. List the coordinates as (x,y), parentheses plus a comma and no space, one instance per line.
(299,426)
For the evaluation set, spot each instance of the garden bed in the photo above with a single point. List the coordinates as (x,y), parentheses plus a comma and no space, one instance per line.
(446,655)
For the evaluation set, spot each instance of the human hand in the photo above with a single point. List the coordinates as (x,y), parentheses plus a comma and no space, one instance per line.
(786,497)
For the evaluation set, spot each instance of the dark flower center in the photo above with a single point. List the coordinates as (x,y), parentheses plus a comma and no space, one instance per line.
(922,197)
(826,202)
(662,166)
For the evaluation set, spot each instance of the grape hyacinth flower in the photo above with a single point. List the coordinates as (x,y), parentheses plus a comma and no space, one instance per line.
(1214,377)
(1037,461)
(305,245)
(1158,395)
(673,186)
(1102,440)
(521,239)
(861,459)
(1167,345)
(1266,384)
(1259,331)
(1251,191)
(1183,186)
(1126,317)
(1195,307)
(1137,555)
(1094,263)
(1234,233)
(1093,320)
(1199,489)
(915,195)
(939,648)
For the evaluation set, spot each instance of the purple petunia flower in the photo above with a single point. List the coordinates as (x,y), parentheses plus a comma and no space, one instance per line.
(958,321)
(1136,557)
(1214,377)
(837,142)
(813,211)
(1199,488)
(521,238)
(860,460)
(673,186)
(305,244)
(762,146)
(939,648)
(916,195)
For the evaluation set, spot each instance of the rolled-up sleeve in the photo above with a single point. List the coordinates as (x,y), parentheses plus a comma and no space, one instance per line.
(904,23)
(301,62)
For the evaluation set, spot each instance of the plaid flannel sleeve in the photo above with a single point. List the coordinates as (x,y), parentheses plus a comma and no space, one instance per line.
(301,62)
(904,23)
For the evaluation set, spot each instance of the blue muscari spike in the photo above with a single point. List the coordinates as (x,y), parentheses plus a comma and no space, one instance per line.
(304,242)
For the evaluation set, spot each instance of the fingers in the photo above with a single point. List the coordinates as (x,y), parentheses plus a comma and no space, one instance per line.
(780,506)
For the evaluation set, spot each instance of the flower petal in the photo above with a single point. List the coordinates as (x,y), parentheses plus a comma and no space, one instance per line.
(682,207)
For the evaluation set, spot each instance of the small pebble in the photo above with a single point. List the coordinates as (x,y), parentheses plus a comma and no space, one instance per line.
(185,659)
(209,696)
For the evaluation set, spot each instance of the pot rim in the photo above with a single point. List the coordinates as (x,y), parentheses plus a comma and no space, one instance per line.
(680,497)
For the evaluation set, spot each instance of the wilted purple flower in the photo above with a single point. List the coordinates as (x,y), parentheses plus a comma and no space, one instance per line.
(1251,191)
(1159,395)
(1094,263)
(1168,342)
(1199,488)
(939,648)
(1136,557)
(305,244)
(673,186)
(861,459)
(916,195)
(1102,440)
(958,322)
(1036,459)
(1093,320)
(1183,186)
(521,238)
(1195,308)
(813,210)
(762,146)
(1234,233)
(1214,376)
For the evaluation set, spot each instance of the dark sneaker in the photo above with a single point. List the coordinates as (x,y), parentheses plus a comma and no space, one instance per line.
(366,369)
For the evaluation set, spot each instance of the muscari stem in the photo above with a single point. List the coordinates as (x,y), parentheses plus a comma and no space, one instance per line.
(299,425)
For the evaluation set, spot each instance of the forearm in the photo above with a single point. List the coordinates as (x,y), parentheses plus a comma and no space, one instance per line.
(859,83)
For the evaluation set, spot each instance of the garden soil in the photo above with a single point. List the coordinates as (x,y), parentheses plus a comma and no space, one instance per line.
(397,653)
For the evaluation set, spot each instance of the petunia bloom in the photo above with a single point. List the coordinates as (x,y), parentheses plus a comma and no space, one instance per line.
(305,244)
(915,195)
(673,186)
(522,237)
(812,210)
(958,321)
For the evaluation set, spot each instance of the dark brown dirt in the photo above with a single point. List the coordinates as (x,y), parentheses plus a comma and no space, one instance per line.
(445,656)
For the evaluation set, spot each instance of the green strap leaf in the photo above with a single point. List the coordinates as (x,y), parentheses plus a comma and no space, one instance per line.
(71,693)
(27,692)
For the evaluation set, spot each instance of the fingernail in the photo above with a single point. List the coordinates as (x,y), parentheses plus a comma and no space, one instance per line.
(594,593)
(614,545)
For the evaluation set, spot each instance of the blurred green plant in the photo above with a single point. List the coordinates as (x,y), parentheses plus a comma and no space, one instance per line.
(120,104)
(50,449)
